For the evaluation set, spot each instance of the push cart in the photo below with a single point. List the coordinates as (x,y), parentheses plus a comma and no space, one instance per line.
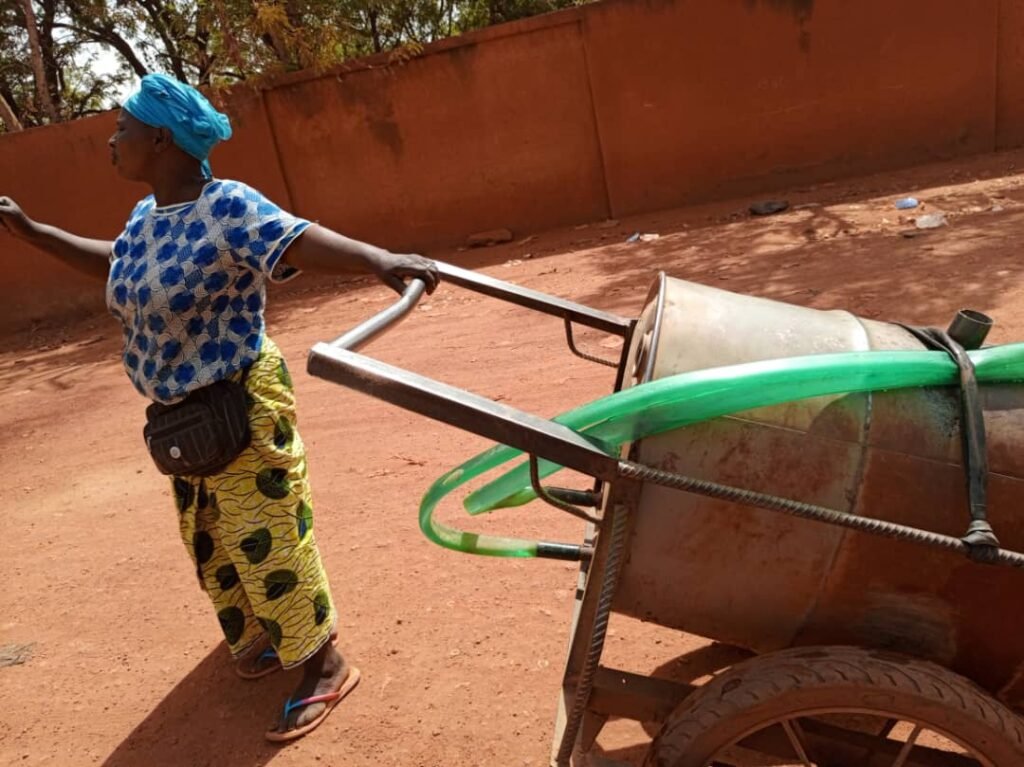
(819,542)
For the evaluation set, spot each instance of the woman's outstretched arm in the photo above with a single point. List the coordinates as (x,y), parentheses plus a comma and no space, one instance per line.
(320,249)
(91,257)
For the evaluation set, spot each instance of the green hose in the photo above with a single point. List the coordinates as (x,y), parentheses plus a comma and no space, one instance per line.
(675,401)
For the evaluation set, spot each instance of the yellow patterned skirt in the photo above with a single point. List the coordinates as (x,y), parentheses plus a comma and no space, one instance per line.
(249,529)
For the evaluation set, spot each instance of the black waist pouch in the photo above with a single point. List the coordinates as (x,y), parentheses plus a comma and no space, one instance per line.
(201,434)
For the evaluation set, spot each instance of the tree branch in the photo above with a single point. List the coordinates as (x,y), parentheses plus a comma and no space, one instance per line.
(10,120)
(106,35)
(163,23)
(38,68)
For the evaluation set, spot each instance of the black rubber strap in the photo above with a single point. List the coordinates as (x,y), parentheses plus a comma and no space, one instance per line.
(979,536)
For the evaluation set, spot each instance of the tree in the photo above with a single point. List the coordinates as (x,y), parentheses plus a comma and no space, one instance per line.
(47,72)
(47,47)
(43,94)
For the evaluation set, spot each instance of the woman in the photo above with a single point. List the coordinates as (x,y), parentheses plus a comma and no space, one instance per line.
(186,278)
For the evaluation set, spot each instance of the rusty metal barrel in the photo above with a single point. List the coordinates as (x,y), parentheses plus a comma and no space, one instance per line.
(766,581)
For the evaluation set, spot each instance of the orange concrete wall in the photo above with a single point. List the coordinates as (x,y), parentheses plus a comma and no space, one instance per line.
(251,154)
(697,100)
(486,135)
(1010,75)
(605,110)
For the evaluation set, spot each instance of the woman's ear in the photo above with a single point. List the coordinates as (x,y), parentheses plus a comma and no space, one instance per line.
(162,139)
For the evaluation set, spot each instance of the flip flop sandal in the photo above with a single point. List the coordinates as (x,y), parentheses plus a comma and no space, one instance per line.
(268,654)
(332,699)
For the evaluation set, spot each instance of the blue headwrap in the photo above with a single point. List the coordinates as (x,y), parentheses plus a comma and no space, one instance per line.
(163,102)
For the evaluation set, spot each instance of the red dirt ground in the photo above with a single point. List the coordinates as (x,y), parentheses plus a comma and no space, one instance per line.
(462,656)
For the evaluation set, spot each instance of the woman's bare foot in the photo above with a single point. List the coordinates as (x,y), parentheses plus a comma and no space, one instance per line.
(325,673)
(259,661)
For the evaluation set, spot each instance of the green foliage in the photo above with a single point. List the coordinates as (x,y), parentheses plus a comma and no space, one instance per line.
(64,57)
(210,42)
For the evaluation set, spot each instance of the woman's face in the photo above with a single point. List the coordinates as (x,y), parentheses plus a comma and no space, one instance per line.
(133,147)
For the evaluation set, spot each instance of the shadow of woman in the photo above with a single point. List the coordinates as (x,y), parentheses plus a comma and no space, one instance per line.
(211,717)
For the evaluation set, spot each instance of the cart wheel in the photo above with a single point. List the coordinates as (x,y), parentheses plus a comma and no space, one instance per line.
(839,707)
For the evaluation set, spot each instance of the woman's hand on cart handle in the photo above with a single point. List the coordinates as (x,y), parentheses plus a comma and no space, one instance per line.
(394,268)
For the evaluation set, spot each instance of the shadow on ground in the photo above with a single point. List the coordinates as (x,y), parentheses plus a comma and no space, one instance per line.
(211,718)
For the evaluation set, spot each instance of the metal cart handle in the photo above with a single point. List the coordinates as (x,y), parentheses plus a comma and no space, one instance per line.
(339,363)
(540,437)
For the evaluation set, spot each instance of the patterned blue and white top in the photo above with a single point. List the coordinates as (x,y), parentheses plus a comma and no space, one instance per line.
(188,283)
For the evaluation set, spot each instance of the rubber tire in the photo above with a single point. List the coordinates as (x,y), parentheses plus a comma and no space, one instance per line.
(765,689)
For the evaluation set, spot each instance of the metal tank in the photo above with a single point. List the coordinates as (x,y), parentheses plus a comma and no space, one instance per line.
(767,581)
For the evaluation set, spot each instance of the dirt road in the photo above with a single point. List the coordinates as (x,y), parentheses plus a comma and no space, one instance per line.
(123,663)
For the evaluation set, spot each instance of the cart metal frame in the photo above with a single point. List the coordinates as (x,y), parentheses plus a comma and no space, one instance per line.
(591,693)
